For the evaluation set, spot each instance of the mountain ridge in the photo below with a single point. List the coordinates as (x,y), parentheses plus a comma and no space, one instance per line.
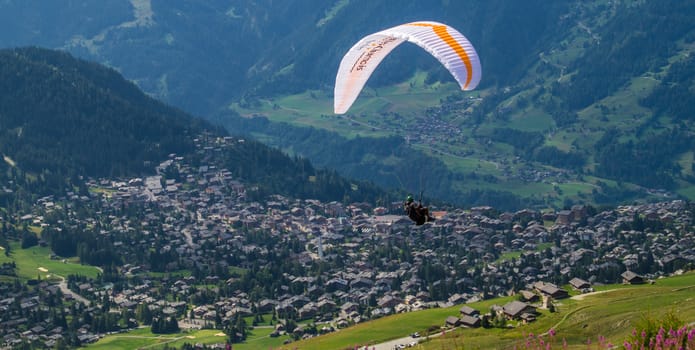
(65,119)
(604,84)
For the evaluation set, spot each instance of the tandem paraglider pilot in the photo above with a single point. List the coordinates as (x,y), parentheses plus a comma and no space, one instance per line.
(416,212)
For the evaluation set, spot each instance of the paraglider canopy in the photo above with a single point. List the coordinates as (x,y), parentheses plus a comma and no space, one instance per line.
(443,42)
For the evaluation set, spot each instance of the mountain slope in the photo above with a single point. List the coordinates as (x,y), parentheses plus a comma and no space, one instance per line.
(580,100)
(610,314)
(595,109)
(200,55)
(63,119)
(63,115)
(196,55)
(507,35)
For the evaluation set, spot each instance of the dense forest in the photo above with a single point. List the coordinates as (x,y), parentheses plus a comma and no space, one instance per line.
(557,62)
(75,118)
(624,54)
(265,47)
(63,120)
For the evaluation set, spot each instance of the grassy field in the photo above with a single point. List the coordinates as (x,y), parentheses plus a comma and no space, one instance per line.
(517,254)
(688,192)
(315,108)
(508,256)
(172,274)
(143,338)
(408,99)
(378,112)
(3,258)
(611,313)
(534,120)
(686,163)
(386,328)
(36,262)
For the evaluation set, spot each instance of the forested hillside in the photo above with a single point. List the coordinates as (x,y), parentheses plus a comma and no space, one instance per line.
(70,117)
(591,102)
(192,54)
(507,34)
(389,162)
(579,101)
(64,120)
(202,55)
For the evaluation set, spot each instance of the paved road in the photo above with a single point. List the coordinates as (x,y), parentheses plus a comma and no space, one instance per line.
(406,341)
(390,345)
(63,285)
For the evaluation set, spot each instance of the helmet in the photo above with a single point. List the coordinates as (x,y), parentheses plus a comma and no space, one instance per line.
(409,199)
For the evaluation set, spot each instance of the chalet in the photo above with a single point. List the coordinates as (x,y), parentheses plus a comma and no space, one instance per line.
(525,215)
(673,262)
(284,308)
(307,311)
(349,307)
(527,317)
(630,277)
(551,290)
(298,300)
(468,311)
(482,210)
(528,296)
(87,338)
(354,315)
(336,284)
(582,256)
(457,299)
(267,305)
(470,321)
(361,283)
(452,321)
(341,323)
(516,309)
(326,305)
(579,212)
(564,217)
(389,301)
(314,291)
(579,284)
(549,216)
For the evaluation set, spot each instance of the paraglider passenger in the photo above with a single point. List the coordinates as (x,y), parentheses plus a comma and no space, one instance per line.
(416,211)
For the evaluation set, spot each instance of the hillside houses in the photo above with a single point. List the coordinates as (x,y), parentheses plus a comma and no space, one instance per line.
(216,254)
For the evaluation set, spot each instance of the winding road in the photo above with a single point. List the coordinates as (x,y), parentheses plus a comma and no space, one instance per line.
(63,285)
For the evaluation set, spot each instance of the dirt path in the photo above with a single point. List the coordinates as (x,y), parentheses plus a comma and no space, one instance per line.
(564,318)
(392,344)
(582,296)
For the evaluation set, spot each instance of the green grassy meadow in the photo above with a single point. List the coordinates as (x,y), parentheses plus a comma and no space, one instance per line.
(315,108)
(370,117)
(379,111)
(143,338)
(613,312)
(36,262)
